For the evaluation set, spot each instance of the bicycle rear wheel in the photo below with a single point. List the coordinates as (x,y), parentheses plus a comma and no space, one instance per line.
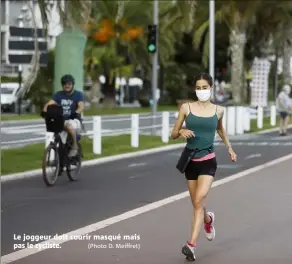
(48,162)
(74,165)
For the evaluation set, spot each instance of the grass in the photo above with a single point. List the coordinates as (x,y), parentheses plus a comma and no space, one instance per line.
(266,124)
(30,157)
(96,111)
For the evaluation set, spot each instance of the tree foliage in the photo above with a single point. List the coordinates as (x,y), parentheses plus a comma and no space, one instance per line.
(117,38)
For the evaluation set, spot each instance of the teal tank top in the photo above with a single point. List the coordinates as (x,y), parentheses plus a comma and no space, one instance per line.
(204,129)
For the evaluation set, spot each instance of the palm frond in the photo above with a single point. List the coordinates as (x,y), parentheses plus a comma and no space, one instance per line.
(205,55)
(44,10)
(201,30)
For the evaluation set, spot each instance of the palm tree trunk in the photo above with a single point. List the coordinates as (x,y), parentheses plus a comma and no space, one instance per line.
(237,44)
(35,58)
(95,93)
(109,91)
(287,54)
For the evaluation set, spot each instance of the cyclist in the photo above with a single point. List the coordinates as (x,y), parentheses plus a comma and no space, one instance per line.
(72,102)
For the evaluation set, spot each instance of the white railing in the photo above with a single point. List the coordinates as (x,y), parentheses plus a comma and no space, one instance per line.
(236,121)
(164,129)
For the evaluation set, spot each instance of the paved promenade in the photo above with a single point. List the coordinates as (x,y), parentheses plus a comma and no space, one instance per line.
(253,226)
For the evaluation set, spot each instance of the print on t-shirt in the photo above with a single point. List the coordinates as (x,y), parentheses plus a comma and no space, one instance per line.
(66,104)
(69,102)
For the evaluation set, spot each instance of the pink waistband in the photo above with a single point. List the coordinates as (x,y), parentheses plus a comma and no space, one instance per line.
(207,157)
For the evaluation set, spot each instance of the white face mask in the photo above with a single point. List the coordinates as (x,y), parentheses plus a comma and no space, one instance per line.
(203,95)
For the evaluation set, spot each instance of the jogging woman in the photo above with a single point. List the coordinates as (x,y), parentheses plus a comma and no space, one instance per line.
(202,119)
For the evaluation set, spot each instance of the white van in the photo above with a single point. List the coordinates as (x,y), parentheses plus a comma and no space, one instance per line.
(9,95)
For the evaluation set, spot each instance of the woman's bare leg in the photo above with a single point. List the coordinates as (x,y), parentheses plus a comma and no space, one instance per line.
(192,186)
(202,189)
(286,122)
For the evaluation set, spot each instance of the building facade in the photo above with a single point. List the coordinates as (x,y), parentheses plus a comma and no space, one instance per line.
(18,13)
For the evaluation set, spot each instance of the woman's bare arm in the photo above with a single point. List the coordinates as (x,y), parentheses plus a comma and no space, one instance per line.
(179,122)
(220,129)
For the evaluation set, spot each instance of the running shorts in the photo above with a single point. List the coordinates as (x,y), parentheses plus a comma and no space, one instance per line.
(197,168)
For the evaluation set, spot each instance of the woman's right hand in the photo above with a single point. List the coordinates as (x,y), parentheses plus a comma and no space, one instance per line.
(185,133)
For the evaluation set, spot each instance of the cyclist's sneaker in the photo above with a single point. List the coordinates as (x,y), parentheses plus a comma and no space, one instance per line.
(189,251)
(209,228)
(73,153)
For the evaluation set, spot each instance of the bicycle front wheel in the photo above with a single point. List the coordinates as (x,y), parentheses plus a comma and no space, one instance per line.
(51,160)
(74,165)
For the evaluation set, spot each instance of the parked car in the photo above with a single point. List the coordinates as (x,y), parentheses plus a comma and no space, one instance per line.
(9,96)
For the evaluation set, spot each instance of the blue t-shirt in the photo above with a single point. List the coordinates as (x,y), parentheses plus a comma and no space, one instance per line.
(69,102)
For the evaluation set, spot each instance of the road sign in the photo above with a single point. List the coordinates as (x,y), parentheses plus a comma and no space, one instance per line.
(27,45)
(26,59)
(21,46)
(26,32)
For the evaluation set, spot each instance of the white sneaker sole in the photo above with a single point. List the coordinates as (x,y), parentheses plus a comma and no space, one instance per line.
(212,215)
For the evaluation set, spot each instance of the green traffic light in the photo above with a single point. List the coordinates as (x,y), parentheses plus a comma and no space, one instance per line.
(151,47)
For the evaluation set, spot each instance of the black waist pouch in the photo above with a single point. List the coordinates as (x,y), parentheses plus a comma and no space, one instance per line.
(185,158)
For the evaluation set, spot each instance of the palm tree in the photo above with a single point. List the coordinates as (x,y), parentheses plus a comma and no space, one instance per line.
(287,55)
(117,31)
(114,25)
(73,13)
(238,16)
(276,33)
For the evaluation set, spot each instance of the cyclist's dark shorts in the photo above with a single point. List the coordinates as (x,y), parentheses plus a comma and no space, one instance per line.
(205,167)
(283,114)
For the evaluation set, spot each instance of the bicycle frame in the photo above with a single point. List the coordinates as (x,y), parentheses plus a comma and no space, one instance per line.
(61,143)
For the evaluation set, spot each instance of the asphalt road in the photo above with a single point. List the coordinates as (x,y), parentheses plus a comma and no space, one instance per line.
(247,228)
(106,190)
(20,134)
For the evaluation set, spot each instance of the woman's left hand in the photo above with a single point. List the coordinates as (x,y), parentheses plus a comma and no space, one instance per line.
(232,154)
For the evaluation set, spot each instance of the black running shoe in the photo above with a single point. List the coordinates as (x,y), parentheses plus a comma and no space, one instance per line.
(189,252)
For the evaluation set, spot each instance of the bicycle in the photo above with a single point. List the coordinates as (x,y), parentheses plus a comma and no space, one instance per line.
(60,146)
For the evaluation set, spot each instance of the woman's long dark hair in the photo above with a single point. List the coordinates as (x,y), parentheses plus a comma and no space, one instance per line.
(202,76)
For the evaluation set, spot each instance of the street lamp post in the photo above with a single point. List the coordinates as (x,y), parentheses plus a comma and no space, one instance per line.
(212,42)
(155,68)
(19,88)
(19,99)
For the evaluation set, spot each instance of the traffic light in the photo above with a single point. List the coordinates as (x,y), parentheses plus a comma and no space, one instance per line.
(151,43)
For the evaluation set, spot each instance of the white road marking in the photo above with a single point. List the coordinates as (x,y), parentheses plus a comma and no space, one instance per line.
(257,155)
(14,256)
(23,141)
(136,165)
(229,166)
(37,139)
(11,131)
(23,127)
